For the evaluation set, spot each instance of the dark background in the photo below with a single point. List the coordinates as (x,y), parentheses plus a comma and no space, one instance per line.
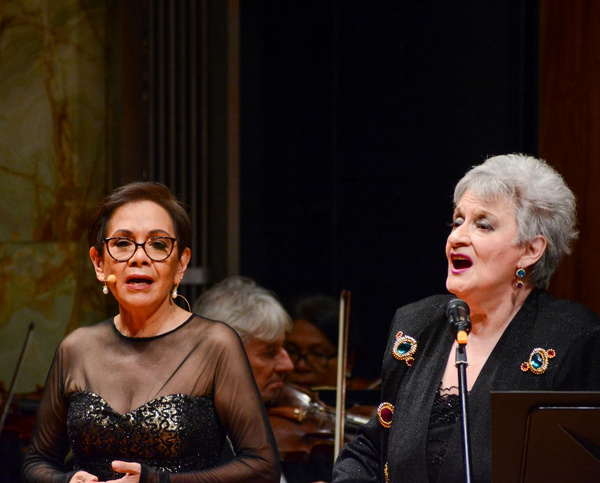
(358,118)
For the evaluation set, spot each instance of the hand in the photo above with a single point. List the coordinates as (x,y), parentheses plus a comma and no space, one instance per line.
(132,470)
(82,477)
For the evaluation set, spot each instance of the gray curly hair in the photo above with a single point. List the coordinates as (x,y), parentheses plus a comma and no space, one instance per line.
(544,205)
(251,310)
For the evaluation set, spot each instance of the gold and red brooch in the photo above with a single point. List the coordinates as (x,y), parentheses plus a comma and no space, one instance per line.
(404,348)
(538,360)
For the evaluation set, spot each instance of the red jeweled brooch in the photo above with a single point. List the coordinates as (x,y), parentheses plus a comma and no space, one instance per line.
(385,414)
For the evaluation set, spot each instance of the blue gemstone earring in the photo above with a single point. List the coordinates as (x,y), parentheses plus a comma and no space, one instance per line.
(520,273)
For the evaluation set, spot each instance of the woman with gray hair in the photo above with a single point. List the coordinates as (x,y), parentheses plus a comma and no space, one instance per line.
(514,219)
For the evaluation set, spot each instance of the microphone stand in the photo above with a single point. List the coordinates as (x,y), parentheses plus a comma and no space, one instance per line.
(461,364)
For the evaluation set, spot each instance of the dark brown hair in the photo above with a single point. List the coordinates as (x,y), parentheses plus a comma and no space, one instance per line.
(141,191)
(323,312)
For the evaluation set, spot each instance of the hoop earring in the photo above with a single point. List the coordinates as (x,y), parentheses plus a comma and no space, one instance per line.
(105,289)
(175,294)
(520,273)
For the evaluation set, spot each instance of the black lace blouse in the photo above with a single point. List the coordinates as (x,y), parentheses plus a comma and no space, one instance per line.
(166,402)
(444,416)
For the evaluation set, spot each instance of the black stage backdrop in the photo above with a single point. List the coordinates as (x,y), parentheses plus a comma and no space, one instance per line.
(358,118)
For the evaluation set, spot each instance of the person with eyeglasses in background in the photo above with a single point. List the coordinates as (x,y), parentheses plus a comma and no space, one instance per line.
(312,344)
(312,347)
(151,394)
(257,316)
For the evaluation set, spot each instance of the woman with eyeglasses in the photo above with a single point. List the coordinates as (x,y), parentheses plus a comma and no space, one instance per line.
(312,342)
(150,394)
(312,345)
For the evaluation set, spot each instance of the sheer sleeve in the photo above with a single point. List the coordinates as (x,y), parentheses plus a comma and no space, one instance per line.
(49,444)
(130,377)
(240,408)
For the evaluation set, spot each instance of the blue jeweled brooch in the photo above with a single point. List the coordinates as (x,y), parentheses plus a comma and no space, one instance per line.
(404,348)
(538,360)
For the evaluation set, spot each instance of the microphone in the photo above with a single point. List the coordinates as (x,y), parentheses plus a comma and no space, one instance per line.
(457,312)
(111,278)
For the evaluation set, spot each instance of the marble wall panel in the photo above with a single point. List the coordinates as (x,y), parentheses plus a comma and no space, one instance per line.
(53,145)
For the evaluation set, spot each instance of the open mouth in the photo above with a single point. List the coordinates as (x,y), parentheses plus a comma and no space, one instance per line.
(461,262)
(139,281)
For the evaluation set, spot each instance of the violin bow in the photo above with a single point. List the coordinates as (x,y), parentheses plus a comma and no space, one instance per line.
(340,395)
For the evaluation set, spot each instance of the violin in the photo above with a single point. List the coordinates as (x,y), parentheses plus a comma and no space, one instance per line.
(303,425)
(310,432)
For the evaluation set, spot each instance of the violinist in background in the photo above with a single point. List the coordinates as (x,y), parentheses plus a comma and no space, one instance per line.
(260,321)
(312,344)
(302,426)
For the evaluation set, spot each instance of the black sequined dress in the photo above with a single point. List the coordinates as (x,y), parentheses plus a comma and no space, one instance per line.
(166,402)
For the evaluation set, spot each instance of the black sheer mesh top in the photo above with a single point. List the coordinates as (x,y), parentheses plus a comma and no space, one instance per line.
(444,415)
(166,402)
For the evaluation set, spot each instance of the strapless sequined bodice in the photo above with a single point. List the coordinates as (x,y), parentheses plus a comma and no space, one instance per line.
(163,433)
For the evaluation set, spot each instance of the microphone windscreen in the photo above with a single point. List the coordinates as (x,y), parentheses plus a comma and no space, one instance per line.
(111,278)
(457,303)
(458,312)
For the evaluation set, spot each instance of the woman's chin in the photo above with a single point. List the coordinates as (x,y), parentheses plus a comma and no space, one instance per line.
(455,287)
(451,283)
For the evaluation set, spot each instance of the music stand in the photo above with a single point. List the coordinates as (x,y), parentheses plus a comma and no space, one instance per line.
(545,436)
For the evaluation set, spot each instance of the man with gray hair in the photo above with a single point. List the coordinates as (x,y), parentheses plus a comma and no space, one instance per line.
(260,321)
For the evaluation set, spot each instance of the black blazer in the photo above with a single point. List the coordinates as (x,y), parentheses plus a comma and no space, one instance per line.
(571,330)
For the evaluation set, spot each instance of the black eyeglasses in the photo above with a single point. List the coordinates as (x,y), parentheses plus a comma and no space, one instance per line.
(316,360)
(158,248)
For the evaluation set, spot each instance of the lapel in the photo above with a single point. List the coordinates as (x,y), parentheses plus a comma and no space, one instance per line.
(425,321)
